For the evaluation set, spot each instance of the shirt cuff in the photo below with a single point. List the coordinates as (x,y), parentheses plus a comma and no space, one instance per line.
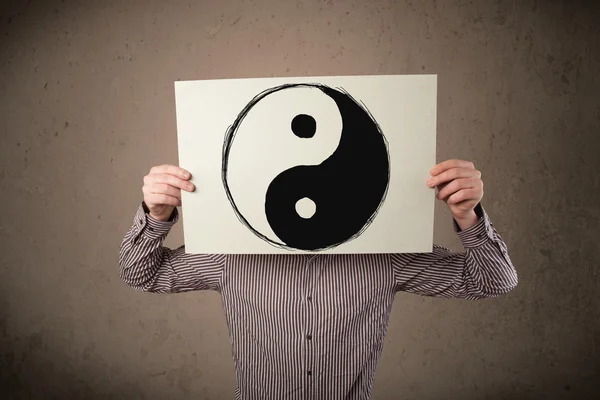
(478,234)
(151,228)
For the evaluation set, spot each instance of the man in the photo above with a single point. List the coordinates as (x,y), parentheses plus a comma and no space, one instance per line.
(313,326)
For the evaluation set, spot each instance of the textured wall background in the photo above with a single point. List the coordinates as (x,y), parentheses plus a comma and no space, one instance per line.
(87,107)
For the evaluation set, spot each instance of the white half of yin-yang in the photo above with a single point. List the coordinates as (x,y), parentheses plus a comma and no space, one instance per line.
(264,146)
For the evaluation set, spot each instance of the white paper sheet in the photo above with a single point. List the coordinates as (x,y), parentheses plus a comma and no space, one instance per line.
(312,164)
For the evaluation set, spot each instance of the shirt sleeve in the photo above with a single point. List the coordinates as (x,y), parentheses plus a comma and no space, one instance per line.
(484,270)
(146,265)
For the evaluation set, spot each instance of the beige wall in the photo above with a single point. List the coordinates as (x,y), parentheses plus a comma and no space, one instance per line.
(87,107)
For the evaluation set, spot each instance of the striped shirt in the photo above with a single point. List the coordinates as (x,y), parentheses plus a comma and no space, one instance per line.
(313,326)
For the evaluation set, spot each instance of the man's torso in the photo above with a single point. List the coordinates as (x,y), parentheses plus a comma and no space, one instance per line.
(307,326)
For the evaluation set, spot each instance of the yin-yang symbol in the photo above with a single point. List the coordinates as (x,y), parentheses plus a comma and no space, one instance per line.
(305,166)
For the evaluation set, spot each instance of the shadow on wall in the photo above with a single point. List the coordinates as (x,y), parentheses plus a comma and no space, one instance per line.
(29,369)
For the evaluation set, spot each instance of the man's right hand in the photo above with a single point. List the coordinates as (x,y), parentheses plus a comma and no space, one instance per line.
(162,190)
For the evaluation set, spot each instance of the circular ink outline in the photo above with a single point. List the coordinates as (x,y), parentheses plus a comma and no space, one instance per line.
(230,136)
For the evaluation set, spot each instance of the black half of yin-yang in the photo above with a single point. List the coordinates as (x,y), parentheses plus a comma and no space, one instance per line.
(347,188)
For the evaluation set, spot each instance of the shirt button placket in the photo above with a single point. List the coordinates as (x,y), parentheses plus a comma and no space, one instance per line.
(309,326)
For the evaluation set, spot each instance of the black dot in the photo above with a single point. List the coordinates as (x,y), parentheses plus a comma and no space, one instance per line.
(304,126)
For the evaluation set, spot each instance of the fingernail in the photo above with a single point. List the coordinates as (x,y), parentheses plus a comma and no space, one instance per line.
(430,183)
(186,174)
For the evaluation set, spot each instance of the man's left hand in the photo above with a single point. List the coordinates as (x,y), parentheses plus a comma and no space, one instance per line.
(460,186)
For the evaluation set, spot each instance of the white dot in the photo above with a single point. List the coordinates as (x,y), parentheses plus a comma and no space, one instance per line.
(306,208)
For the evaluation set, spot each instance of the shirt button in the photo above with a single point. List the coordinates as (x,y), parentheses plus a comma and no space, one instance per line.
(309,337)
(309,298)
(309,373)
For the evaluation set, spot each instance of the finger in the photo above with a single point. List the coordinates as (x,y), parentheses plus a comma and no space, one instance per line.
(172,180)
(161,188)
(454,173)
(158,188)
(449,164)
(456,185)
(163,199)
(462,196)
(171,170)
